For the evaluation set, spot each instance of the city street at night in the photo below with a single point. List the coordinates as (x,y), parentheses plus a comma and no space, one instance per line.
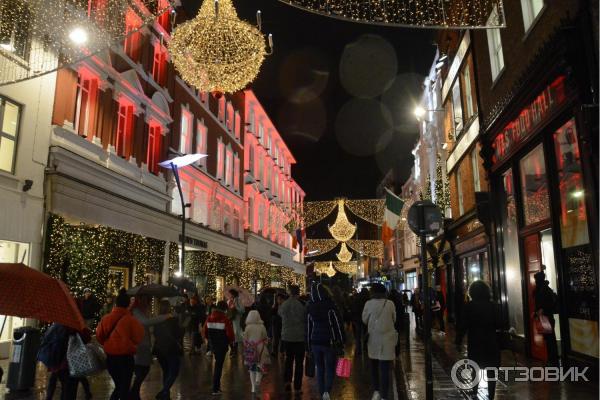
(299,199)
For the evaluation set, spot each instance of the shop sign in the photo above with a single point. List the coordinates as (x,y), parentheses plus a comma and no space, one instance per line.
(275,254)
(195,242)
(530,118)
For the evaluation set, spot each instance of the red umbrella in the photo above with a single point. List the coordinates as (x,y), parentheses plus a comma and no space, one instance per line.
(27,293)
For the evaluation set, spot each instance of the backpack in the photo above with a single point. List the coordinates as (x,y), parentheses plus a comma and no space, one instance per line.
(53,349)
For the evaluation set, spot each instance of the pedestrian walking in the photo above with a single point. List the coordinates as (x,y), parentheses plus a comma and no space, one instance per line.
(546,304)
(235,312)
(325,336)
(276,325)
(256,354)
(480,323)
(438,306)
(219,331)
(293,336)
(417,309)
(143,354)
(209,304)
(168,348)
(197,312)
(357,305)
(120,334)
(89,307)
(379,315)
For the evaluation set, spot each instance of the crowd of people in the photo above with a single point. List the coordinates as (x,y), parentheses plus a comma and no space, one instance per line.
(309,331)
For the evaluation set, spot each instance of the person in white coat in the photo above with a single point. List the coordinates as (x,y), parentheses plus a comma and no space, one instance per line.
(379,315)
(256,354)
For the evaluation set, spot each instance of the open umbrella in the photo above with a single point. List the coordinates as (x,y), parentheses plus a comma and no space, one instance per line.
(246,298)
(27,293)
(153,290)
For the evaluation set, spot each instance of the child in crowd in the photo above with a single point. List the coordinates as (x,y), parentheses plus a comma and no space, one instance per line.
(256,355)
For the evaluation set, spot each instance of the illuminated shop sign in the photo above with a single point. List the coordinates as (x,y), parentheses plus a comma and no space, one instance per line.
(529,119)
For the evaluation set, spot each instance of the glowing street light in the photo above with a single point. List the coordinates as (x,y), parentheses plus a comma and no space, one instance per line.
(78,36)
(175,164)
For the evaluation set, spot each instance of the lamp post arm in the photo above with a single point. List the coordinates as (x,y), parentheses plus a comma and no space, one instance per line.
(176,174)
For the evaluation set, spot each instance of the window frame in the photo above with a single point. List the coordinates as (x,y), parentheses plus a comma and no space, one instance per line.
(495,38)
(530,17)
(201,141)
(132,42)
(90,107)
(475,168)
(124,133)
(185,140)
(159,64)
(459,192)
(7,136)
(153,150)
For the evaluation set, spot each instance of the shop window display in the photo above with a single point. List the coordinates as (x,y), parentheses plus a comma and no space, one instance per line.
(534,186)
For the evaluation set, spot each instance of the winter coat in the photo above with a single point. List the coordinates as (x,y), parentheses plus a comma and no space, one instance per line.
(127,334)
(324,326)
(480,323)
(380,317)
(255,334)
(143,355)
(168,338)
(236,304)
(218,329)
(357,306)
(293,320)
(89,307)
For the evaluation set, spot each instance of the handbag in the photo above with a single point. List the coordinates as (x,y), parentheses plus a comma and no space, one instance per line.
(309,365)
(543,325)
(343,367)
(84,360)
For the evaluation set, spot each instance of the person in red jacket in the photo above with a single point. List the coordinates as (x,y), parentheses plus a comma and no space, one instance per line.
(218,329)
(120,333)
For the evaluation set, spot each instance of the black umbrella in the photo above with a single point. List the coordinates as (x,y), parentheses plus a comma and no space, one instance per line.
(153,290)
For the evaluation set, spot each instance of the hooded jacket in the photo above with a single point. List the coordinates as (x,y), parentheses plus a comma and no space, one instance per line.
(293,320)
(127,334)
(324,325)
(218,329)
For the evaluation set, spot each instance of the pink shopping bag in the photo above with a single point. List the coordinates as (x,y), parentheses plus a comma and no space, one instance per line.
(343,368)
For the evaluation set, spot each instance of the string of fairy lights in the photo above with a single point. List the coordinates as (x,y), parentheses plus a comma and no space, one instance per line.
(344,255)
(342,230)
(412,13)
(369,210)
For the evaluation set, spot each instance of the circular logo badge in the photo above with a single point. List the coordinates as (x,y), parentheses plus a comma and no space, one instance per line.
(465,374)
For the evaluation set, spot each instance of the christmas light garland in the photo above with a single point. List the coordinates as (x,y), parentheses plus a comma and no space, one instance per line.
(371,248)
(410,13)
(316,211)
(342,230)
(369,210)
(216,51)
(316,247)
(344,255)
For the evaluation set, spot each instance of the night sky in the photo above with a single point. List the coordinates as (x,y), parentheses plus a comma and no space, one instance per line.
(341,95)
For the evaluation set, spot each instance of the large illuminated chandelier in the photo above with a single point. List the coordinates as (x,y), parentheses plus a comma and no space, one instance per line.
(344,255)
(40,36)
(342,230)
(216,51)
(411,13)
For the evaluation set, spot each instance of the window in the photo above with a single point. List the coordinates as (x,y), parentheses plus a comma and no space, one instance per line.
(466,77)
(204,97)
(200,206)
(261,133)
(260,169)
(229,117)
(534,186)
(475,166)
(531,9)
(124,128)
(9,116)
(221,110)
(220,159)
(153,150)
(236,173)
(85,105)
(267,181)
(133,37)
(251,214)
(159,65)
(14,27)
(261,218)
(495,46)
(185,141)
(237,125)
(236,224)
(457,108)
(251,160)
(459,189)
(251,121)
(164,18)
(201,137)
(228,168)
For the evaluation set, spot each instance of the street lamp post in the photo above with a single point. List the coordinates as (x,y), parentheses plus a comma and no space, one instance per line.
(174,164)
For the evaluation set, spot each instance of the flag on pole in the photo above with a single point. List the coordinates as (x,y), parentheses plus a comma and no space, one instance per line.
(304,245)
(393,208)
(299,239)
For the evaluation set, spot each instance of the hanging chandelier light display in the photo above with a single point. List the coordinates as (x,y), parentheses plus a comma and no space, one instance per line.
(40,36)
(216,51)
(342,230)
(441,14)
(344,255)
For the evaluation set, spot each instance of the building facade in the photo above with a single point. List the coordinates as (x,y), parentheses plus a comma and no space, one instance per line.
(538,86)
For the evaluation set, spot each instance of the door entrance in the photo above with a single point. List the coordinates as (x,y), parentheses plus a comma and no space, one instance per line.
(539,254)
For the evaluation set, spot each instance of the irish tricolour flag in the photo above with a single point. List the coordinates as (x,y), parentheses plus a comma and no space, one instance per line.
(393,207)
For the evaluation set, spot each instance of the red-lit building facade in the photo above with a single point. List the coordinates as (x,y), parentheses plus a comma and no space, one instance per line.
(118,114)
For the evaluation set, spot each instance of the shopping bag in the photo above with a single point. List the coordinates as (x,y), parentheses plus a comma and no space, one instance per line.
(543,325)
(343,368)
(84,360)
(309,365)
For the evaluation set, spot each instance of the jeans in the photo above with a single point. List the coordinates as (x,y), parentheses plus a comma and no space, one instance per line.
(439,315)
(380,377)
(294,363)
(141,371)
(170,369)
(325,364)
(219,353)
(120,369)
(551,345)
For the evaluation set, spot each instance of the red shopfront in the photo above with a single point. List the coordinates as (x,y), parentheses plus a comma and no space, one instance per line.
(544,195)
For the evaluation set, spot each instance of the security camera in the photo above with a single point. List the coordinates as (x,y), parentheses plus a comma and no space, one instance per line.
(27,185)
